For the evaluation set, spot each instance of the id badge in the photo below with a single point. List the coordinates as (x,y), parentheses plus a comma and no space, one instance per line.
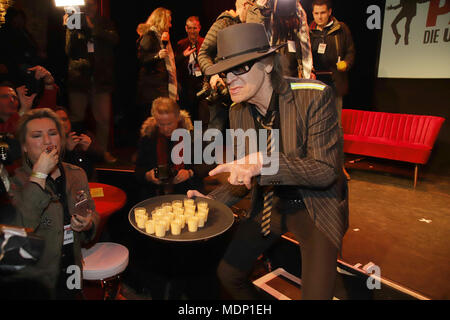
(291,46)
(90,47)
(197,72)
(322,48)
(68,235)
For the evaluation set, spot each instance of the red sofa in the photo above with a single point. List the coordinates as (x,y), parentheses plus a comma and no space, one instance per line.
(402,137)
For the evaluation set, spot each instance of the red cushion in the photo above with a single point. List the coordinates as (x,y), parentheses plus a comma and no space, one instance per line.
(393,136)
(383,148)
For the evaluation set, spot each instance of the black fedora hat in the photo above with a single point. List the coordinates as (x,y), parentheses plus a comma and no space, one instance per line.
(240,43)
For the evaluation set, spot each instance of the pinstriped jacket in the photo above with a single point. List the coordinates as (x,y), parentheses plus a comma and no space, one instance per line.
(311,158)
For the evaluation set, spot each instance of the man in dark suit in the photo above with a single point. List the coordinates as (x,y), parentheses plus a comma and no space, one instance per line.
(189,72)
(296,181)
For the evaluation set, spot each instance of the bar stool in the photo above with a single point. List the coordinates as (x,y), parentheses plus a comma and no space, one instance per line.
(104,262)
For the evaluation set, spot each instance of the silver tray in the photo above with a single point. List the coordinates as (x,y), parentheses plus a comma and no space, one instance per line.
(220,219)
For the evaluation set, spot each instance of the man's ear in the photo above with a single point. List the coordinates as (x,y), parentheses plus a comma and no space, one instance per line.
(268,68)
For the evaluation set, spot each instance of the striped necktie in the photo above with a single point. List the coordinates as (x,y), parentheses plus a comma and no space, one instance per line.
(171,70)
(268,192)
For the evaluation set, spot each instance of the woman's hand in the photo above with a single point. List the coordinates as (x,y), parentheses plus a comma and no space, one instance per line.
(80,223)
(182,176)
(47,162)
(163,53)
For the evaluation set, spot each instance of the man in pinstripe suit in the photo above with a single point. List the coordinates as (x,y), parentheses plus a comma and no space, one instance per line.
(308,194)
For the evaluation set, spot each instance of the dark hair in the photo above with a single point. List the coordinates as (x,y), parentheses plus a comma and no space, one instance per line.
(192,19)
(284,29)
(277,75)
(321,3)
(59,108)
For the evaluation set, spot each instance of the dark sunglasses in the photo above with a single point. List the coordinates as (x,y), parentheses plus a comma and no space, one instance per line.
(238,70)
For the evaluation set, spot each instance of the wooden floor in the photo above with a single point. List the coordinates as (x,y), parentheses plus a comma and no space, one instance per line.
(404,231)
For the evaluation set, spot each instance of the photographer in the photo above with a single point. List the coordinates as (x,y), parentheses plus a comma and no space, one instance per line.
(19,48)
(90,51)
(81,149)
(12,106)
(16,102)
(155,170)
(188,69)
(286,22)
(218,117)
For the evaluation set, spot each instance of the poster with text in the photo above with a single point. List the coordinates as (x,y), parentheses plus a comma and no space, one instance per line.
(416,39)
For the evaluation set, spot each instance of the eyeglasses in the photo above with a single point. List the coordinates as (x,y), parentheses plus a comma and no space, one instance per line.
(238,70)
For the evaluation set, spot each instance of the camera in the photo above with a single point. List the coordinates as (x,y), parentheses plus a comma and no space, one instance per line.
(9,148)
(165,173)
(19,248)
(32,84)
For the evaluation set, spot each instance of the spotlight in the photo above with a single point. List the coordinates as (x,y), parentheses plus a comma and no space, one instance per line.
(69,3)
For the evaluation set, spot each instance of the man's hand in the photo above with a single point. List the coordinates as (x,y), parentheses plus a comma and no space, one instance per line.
(26,102)
(182,176)
(342,66)
(72,141)
(195,193)
(241,171)
(188,51)
(44,74)
(214,80)
(85,142)
(150,176)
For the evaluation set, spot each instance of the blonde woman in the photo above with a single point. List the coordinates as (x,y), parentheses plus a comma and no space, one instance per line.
(155,149)
(44,192)
(157,74)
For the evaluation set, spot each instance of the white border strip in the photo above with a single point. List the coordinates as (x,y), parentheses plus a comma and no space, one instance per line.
(262,283)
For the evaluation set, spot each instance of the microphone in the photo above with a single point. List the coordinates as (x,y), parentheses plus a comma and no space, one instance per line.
(165,39)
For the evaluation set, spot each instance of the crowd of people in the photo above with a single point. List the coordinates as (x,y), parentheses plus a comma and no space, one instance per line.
(278,71)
